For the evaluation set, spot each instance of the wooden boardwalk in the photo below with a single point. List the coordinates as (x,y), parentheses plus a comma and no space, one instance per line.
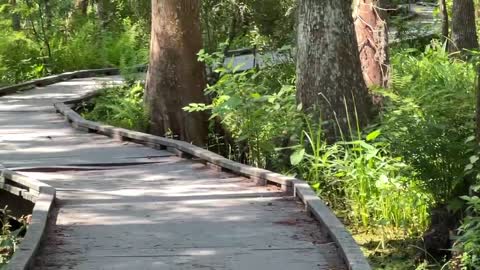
(125,206)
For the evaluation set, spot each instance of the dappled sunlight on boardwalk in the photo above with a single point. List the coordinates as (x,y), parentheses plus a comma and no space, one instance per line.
(125,206)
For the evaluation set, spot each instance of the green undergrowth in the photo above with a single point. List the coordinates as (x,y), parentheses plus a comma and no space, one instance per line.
(255,110)
(393,250)
(386,178)
(382,181)
(120,106)
(9,240)
(363,181)
(8,243)
(396,253)
(467,245)
(428,122)
(23,57)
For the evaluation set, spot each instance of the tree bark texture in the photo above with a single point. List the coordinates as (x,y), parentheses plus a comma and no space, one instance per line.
(175,77)
(372,37)
(329,75)
(464,31)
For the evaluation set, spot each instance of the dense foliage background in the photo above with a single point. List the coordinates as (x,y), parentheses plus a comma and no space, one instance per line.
(390,182)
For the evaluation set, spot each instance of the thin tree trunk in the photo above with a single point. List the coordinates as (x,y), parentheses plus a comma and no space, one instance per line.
(81,7)
(79,13)
(372,38)
(477,114)
(208,33)
(43,28)
(445,23)
(329,75)
(48,14)
(464,31)
(232,32)
(16,24)
(104,8)
(38,36)
(175,77)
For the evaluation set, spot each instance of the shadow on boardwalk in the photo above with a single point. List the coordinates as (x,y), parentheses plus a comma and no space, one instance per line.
(125,206)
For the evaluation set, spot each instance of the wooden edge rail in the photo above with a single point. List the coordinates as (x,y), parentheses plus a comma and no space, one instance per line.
(22,259)
(43,196)
(66,76)
(349,249)
(57,78)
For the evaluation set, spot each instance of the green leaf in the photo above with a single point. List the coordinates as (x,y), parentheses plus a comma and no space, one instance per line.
(470,139)
(373,135)
(468,167)
(238,67)
(255,95)
(455,205)
(297,156)
(299,107)
(474,159)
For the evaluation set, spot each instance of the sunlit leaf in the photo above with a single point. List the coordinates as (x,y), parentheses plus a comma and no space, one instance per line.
(373,135)
(297,156)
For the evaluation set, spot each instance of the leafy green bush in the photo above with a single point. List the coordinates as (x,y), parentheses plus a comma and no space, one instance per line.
(467,246)
(8,243)
(23,56)
(428,116)
(256,107)
(91,47)
(363,181)
(20,58)
(8,240)
(84,49)
(119,106)
(469,241)
(261,23)
(129,47)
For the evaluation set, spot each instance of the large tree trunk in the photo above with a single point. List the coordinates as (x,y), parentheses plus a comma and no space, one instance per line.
(175,77)
(329,75)
(445,23)
(372,38)
(464,31)
(16,24)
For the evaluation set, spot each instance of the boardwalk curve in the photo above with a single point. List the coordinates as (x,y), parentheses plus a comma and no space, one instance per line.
(43,196)
(137,201)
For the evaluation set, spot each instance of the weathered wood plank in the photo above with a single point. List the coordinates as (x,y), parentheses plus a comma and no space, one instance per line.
(174,214)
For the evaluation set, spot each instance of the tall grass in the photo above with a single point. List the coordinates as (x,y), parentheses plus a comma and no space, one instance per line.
(362,181)
(413,160)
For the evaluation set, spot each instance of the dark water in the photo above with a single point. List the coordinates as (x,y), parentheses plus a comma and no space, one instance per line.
(17,206)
